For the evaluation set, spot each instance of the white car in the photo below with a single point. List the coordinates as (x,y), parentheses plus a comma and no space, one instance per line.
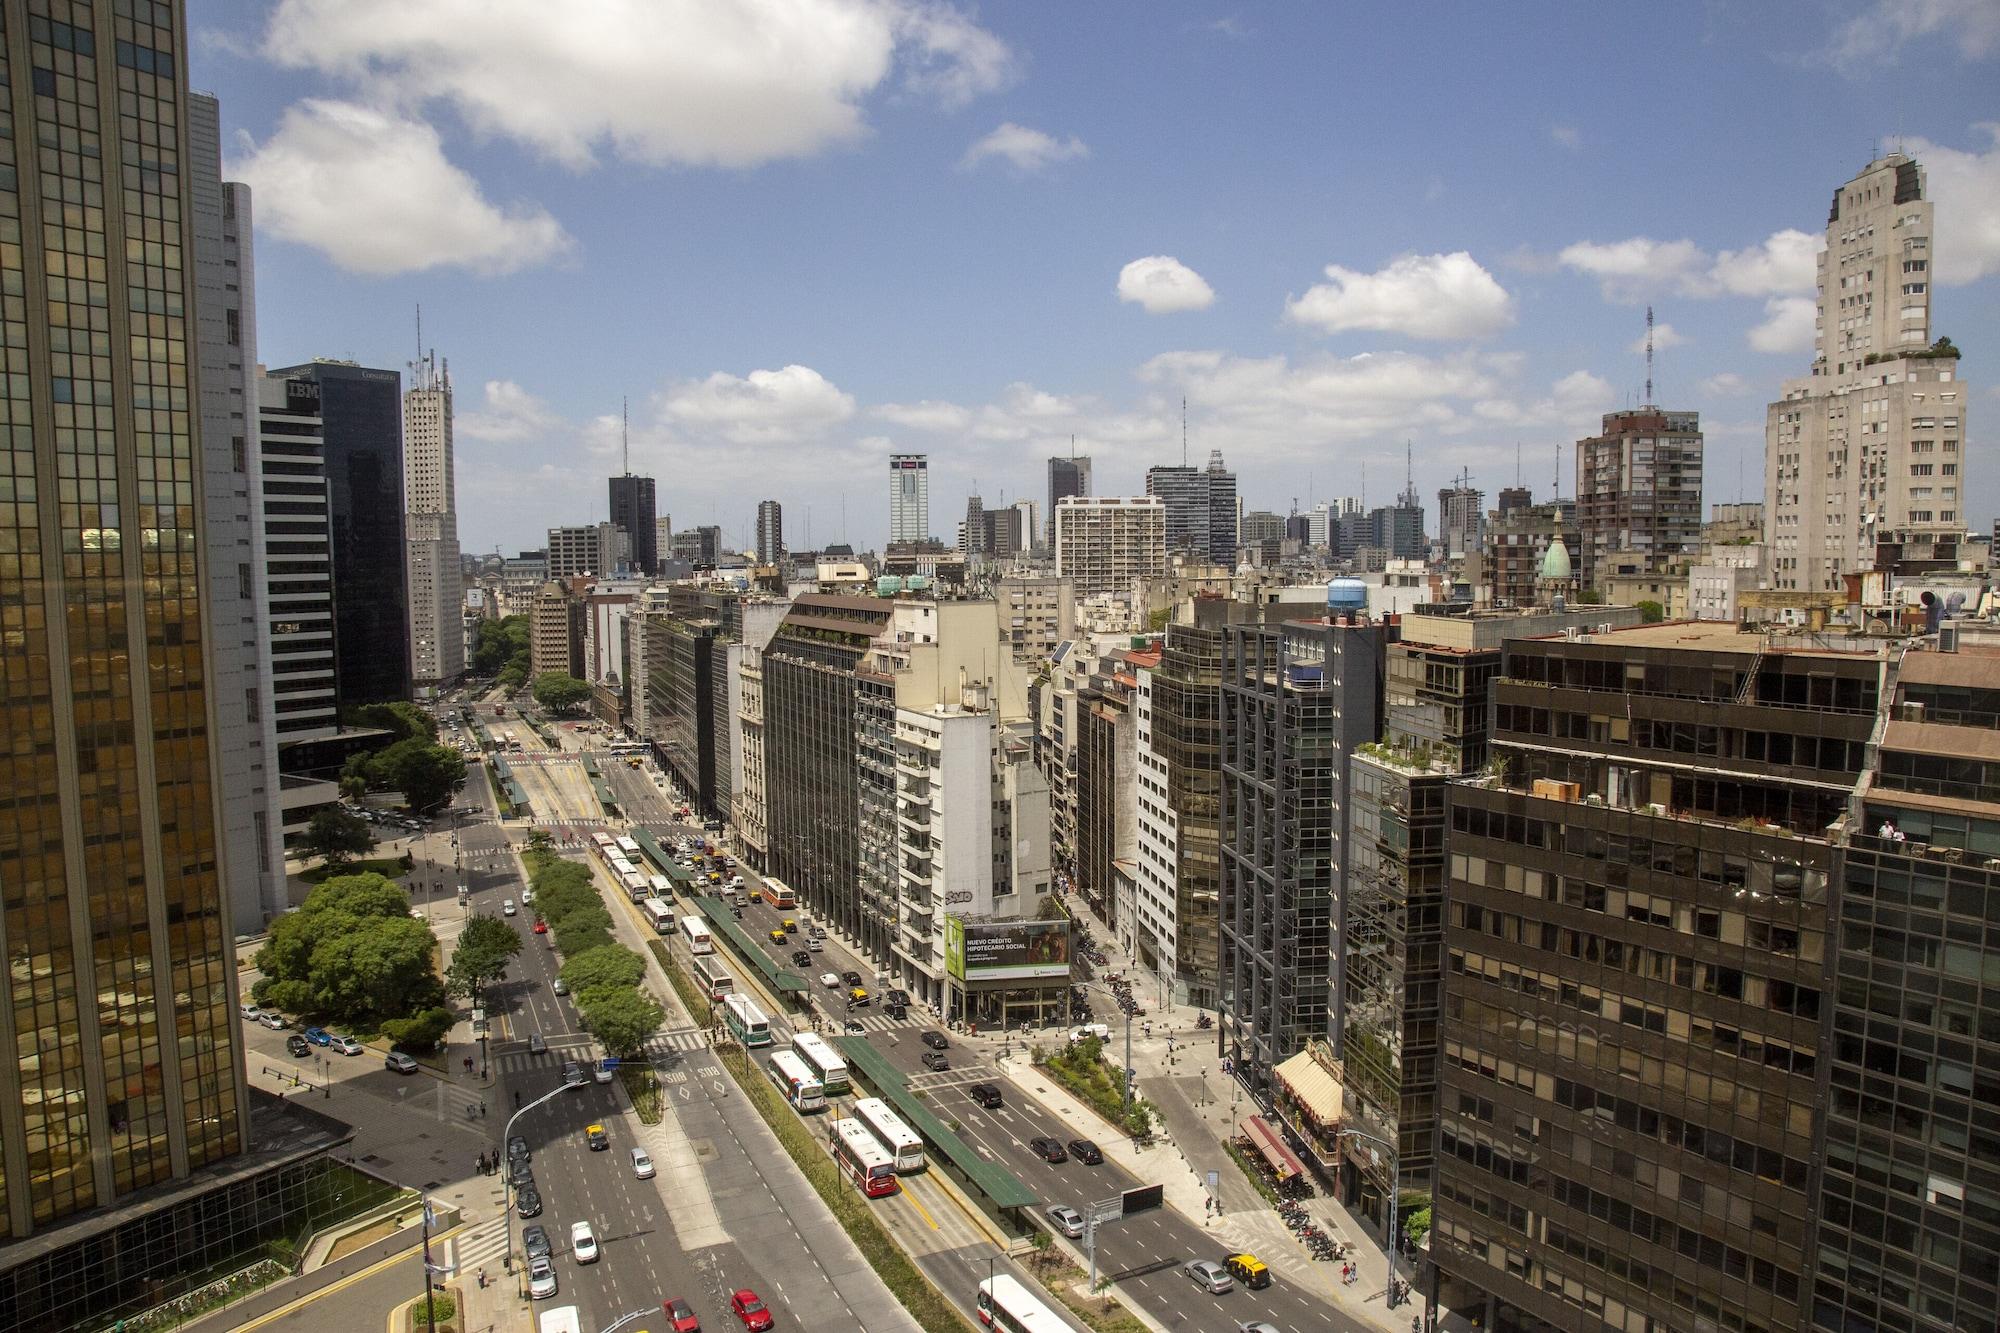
(582,1243)
(527,896)
(541,1278)
(831,980)
(272,1019)
(642,1165)
(507,907)
(345,1045)
(251,1013)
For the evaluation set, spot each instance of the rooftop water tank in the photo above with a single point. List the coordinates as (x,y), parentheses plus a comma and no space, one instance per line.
(1346,596)
(888,585)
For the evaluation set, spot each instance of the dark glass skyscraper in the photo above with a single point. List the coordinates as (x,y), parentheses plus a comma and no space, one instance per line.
(632,509)
(361,411)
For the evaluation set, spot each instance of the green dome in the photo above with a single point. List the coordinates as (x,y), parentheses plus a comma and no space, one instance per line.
(1555,565)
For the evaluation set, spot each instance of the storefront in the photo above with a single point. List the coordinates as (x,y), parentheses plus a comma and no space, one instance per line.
(1308,1104)
(1014,973)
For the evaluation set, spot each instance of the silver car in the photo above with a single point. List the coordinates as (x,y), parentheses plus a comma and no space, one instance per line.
(1209,1275)
(1069,1221)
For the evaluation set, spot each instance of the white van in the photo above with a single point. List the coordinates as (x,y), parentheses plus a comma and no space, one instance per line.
(1097,1030)
(561,1320)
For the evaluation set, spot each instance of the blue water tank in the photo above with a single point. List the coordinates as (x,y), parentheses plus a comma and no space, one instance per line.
(888,585)
(1347,596)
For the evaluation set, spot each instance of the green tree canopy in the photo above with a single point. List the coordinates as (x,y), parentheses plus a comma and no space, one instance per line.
(500,645)
(620,1018)
(425,773)
(582,931)
(337,836)
(1650,612)
(352,952)
(402,720)
(560,692)
(611,965)
(485,946)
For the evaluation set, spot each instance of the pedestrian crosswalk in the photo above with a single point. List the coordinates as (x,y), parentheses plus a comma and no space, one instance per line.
(481,1246)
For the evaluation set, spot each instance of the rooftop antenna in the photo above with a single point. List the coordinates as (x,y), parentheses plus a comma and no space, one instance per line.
(1649,356)
(625,431)
(1184,461)
(1517,465)
(420,330)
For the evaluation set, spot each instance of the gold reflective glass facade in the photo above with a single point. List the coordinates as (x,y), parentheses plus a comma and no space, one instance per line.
(125,1071)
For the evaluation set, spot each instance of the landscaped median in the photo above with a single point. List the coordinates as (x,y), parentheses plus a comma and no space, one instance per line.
(1081,1070)
(925,1303)
(602,975)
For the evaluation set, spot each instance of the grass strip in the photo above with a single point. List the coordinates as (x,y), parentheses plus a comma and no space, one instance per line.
(642,1085)
(1102,1313)
(693,998)
(925,1303)
(1084,1073)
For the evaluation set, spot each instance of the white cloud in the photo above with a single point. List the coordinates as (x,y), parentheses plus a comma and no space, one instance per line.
(1424,296)
(1567,135)
(936,417)
(1877,36)
(509,415)
(1723,385)
(1966,189)
(658,82)
(1665,335)
(375,193)
(1787,326)
(764,406)
(1631,268)
(1162,285)
(1786,264)
(1026,149)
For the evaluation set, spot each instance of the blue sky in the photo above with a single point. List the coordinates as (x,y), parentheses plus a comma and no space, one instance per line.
(801,236)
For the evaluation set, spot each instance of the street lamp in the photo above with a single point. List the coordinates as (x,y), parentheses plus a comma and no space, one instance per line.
(507,1180)
(1395,1183)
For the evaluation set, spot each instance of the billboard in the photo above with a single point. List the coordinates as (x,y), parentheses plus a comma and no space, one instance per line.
(1006,950)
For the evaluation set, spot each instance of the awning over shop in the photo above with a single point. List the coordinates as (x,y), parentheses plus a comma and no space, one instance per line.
(1315,1087)
(1282,1159)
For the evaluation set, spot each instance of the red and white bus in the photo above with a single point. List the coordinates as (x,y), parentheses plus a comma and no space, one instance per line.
(714,976)
(780,894)
(791,1077)
(1004,1303)
(905,1149)
(861,1157)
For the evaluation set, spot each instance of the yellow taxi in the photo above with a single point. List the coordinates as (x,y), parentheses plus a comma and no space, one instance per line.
(1249,1270)
(777,937)
(790,926)
(599,1140)
(858,996)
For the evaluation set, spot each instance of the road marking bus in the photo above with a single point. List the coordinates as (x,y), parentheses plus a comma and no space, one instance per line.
(826,1065)
(791,1077)
(862,1158)
(905,1148)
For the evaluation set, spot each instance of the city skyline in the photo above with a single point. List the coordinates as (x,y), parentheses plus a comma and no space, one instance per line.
(1493,294)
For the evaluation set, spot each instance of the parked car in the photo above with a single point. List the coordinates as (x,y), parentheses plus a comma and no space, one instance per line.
(745,1305)
(986,1094)
(520,1173)
(642,1165)
(273,1020)
(399,1063)
(1049,1150)
(345,1045)
(583,1242)
(541,1279)
(1067,1220)
(680,1316)
(527,896)
(535,1241)
(1086,1152)
(936,1040)
(518,1150)
(1209,1275)
(297,1045)
(936,1062)
(528,1203)
(319,1036)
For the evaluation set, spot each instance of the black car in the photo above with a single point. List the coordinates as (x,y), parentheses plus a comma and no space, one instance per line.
(520,1174)
(852,979)
(1086,1152)
(528,1203)
(535,1242)
(986,1094)
(936,1040)
(1049,1150)
(935,1061)
(899,1012)
(899,996)
(517,1150)
(800,958)
(297,1045)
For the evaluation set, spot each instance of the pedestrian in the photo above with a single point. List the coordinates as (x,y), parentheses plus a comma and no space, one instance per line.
(482,1110)
(482,1279)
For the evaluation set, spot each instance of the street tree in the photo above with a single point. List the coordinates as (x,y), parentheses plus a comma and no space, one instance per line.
(425,773)
(485,946)
(621,1019)
(560,692)
(608,965)
(337,836)
(351,952)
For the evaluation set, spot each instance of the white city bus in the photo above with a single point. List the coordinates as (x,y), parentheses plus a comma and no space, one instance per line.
(714,974)
(861,1157)
(660,914)
(791,1077)
(820,1056)
(603,840)
(695,931)
(562,1319)
(905,1149)
(629,846)
(662,886)
(779,894)
(745,1020)
(1004,1303)
(635,884)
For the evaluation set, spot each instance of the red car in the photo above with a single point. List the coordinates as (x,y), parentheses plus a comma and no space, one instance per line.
(750,1310)
(680,1317)
(541,927)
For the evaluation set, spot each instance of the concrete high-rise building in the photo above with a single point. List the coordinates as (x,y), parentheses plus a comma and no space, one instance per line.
(594,548)
(1201,508)
(699,546)
(1517,541)
(663,536)
(1037,612)
(1865,457)
(361,416)
(1638,493)
(909,497)
(124,1075)
(246,743)
(1461,520)
(770,532)
(430,490)
(632,510)
(1261,525)
(974,532)
(1068,478)
(1103,543)
(555,631)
